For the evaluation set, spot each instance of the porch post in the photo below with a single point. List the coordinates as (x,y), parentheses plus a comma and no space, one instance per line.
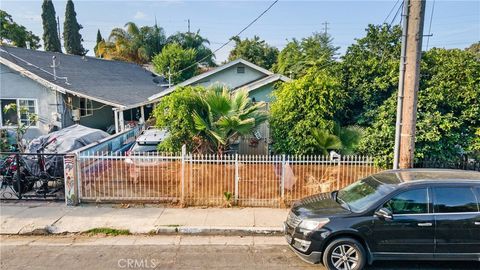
(115,115)
(121,121)
(142,114)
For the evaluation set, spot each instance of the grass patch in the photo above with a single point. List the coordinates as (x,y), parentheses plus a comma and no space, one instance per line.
(107,231)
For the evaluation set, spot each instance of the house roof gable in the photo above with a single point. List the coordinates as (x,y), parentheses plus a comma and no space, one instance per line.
(211,72)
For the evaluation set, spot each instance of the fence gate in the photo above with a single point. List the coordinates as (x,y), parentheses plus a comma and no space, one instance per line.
(115,177)
(36,176)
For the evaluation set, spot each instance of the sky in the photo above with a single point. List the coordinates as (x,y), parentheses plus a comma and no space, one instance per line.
(454,24)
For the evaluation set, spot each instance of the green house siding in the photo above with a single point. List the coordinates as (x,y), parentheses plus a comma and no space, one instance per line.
(262,93)
(231,78)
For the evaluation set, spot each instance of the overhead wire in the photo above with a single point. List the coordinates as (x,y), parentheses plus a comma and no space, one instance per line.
(230,39)
(391,10)
(430,25)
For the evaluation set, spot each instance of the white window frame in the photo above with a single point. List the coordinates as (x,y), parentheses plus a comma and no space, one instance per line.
(88,111)
(17,102)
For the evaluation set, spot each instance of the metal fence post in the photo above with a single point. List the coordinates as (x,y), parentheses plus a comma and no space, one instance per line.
(19,176)
(282,178)
(71,179)
(236,178)
(182,181)
(339,170)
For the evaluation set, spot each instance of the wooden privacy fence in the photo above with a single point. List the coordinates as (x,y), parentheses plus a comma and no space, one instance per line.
(210,180)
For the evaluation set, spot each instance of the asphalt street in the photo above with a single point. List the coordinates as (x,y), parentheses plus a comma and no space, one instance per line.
(191,253)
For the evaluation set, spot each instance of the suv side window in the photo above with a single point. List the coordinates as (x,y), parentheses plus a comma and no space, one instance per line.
(455,200)
(409,202)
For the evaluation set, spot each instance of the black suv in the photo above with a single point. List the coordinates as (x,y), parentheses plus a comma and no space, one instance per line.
(417,214)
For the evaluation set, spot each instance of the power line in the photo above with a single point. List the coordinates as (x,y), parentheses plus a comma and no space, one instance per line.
(391,10)
(430,26)
(396,13)
(230,39)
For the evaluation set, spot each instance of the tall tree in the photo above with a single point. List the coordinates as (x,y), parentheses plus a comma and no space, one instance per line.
(99,39)
(175,61)
(51,41)
(254,50)
(72,39)
(17,35)
(298,56)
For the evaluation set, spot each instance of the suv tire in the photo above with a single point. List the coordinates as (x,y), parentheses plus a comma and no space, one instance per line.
(343,251)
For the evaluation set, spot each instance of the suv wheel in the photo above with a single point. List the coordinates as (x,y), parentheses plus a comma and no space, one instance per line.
(344,254)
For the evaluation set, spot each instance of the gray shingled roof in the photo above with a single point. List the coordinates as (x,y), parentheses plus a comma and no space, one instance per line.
(121,83)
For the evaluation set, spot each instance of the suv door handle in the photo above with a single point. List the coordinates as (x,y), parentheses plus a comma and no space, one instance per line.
(426,224)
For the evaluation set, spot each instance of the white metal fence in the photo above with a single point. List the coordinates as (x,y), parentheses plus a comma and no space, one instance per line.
(209,180)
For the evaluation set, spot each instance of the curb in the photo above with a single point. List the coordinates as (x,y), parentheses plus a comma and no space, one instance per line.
(223,231)
(173,230)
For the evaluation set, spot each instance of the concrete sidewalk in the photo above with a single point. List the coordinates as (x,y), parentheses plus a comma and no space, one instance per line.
(56,218)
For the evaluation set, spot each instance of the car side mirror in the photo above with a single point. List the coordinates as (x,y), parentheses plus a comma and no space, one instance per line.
(384,213)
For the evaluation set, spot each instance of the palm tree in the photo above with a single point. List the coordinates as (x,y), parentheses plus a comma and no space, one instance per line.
(190,40)
(223,117)
(349,136)
(132,44)
(325,141)
(343,139)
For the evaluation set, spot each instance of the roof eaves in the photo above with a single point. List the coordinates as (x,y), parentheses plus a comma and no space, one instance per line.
(52,85)
(262,82)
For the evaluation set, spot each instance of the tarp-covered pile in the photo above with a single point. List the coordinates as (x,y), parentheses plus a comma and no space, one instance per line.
(60,142)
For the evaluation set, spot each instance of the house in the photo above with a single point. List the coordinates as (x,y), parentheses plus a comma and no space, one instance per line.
(67,89)
(236,75)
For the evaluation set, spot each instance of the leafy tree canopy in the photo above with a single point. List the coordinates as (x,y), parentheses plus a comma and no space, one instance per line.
(176,61)
(173,113)
(16,35)
(302,105)
(298,56)
(254,50)
(190,40)
(370,71)
(448,110)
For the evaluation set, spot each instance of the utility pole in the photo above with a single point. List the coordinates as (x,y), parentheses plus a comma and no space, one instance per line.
(413,54)
(325,27)
(398,123)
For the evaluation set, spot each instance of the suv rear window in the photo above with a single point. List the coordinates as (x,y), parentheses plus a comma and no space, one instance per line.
(454,200)
(141,148)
